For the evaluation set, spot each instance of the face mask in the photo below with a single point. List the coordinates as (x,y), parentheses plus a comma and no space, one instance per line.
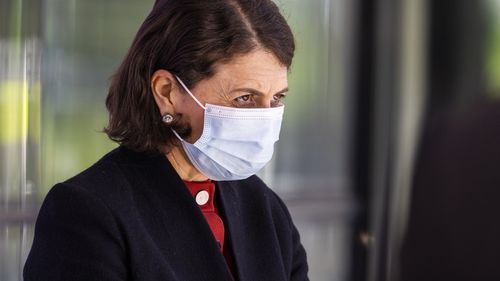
(236,142)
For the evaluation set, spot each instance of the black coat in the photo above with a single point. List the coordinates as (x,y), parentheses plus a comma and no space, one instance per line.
(130,217)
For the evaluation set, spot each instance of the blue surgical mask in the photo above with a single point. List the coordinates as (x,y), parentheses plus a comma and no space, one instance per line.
(236,142)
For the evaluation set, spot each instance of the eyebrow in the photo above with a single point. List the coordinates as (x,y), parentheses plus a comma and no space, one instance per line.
(255,92)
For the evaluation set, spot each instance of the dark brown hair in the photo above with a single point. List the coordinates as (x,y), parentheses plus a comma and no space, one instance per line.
(187,38)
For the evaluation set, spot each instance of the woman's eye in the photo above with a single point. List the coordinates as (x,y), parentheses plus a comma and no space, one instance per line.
(244,98)
(279,97)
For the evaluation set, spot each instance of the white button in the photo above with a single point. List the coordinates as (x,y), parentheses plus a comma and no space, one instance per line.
(202,197)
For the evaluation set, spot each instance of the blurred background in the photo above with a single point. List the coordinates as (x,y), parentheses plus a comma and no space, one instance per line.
(388,157)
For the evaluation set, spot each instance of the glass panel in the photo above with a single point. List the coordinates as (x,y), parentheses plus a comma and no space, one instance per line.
(311,166)
(9,252)
(80,57)
(493,47)
(328,248)
(15,242)
(314,145)
(20,97)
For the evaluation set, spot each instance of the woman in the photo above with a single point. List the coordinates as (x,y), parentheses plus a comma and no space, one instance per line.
(196,107)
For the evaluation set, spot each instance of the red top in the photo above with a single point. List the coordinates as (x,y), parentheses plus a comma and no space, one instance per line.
(204,195)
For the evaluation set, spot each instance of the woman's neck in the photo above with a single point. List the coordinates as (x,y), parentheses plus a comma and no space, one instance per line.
(183,166)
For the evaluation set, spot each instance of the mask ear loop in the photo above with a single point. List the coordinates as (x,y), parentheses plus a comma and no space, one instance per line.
(193,97)
(189,92)
(177,135)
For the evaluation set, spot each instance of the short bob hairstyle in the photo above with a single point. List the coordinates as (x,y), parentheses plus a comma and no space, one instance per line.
(188,38)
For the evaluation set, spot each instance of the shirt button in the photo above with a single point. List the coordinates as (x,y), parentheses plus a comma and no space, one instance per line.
(202,197)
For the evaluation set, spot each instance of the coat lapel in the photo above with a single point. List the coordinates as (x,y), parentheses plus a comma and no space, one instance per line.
(173,219)
(251,233)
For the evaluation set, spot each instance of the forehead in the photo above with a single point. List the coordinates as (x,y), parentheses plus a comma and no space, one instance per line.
(258,69)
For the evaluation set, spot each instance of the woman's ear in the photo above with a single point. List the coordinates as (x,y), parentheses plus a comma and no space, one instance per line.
(163,88)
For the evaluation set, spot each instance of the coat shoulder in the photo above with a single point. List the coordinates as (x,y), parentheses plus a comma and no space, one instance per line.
(103,174)
(107,179)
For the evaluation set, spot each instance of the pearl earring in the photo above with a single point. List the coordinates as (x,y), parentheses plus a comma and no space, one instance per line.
(167,118)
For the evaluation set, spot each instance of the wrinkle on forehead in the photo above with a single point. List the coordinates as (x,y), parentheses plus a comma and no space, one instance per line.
(222,89)
(259,70)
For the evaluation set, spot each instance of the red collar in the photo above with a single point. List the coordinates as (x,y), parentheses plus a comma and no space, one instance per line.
(203,192)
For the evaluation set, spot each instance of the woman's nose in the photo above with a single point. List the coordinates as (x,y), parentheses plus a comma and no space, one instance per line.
(265,102)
